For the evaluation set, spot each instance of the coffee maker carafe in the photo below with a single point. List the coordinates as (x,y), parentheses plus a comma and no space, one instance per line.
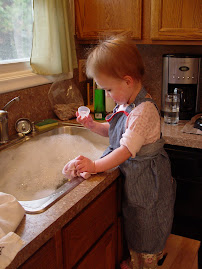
(181,75)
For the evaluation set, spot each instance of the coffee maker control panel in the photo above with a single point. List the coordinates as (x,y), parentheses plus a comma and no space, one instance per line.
(183,71)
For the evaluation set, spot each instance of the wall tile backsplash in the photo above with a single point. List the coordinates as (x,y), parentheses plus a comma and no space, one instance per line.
(33,104)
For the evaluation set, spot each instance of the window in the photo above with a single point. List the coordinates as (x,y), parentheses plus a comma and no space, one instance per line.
(16,17)
(15,31)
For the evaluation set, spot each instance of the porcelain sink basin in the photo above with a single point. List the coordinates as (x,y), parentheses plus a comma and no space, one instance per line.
(32,169)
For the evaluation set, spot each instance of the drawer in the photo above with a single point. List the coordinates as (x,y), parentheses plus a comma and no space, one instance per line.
(103,254)
(88,226)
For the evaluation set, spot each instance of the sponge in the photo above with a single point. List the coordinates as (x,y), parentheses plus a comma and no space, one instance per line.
(46,124)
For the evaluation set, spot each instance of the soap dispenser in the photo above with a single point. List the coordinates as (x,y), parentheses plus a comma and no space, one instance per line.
(99,103)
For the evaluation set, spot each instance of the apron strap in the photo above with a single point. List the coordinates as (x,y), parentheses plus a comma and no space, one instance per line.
(108,118)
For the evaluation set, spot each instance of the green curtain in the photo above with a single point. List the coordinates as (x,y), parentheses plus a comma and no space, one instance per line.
(53,48)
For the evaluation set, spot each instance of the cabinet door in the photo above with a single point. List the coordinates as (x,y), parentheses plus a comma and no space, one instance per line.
(176,20)
(96,19)
(103,254)
(80,235)
(48,256)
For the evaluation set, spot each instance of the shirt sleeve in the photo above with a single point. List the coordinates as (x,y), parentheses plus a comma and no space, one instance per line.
(142,127)
(133,141)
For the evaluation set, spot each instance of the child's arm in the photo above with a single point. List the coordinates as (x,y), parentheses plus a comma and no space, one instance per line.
(96,127)
(113,159)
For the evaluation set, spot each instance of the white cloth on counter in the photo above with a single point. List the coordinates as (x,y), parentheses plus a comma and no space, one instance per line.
(189,126)
(69,171)
(189,129)
(11,214)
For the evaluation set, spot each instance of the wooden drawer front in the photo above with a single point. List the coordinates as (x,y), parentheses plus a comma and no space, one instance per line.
(103,254)
(83,232)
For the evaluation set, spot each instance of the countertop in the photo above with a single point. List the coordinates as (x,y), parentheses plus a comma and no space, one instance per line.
(173,135)
(37,229)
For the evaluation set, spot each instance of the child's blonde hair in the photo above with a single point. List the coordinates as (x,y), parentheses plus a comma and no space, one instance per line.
(116,57)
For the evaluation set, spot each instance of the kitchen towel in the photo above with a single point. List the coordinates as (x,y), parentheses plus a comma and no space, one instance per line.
(189,129)
(11,214)
(189,126)
(69,171)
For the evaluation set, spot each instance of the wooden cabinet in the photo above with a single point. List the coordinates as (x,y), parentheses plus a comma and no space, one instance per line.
(96,19)
(84,231)
(91,240)
(48,256)
(103,253)
(147,22)
(176,20)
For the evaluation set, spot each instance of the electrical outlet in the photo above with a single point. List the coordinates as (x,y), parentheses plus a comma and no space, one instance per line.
(82,72)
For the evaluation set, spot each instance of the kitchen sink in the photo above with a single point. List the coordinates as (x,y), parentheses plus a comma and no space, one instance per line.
(31,167)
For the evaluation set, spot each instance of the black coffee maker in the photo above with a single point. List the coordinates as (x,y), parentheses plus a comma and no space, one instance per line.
(181,75)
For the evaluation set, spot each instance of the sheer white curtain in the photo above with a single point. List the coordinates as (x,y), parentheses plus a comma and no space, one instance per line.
(53,48)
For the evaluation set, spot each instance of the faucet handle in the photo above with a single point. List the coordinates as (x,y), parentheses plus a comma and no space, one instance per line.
(10,102)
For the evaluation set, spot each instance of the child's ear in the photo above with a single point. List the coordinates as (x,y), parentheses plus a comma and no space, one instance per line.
(129,80)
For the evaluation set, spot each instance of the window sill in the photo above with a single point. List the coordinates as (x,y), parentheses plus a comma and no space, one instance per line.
(18,76)
(22,79)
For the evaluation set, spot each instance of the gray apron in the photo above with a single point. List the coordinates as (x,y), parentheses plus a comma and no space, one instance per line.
(149,193)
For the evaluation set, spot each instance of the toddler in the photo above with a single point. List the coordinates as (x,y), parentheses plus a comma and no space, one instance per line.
(136,147)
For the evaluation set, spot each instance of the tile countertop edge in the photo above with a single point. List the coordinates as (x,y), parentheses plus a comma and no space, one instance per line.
(37,229)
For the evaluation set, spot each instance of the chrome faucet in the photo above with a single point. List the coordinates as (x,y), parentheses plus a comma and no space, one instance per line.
(4,121)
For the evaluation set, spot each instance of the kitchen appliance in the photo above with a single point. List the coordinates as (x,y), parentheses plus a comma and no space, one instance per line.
(181,75)
(186,166)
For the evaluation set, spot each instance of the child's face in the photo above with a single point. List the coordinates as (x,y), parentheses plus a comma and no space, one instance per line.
(119,90)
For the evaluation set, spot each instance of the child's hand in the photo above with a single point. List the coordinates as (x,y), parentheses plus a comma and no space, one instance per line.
(86,121)
(84,164)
